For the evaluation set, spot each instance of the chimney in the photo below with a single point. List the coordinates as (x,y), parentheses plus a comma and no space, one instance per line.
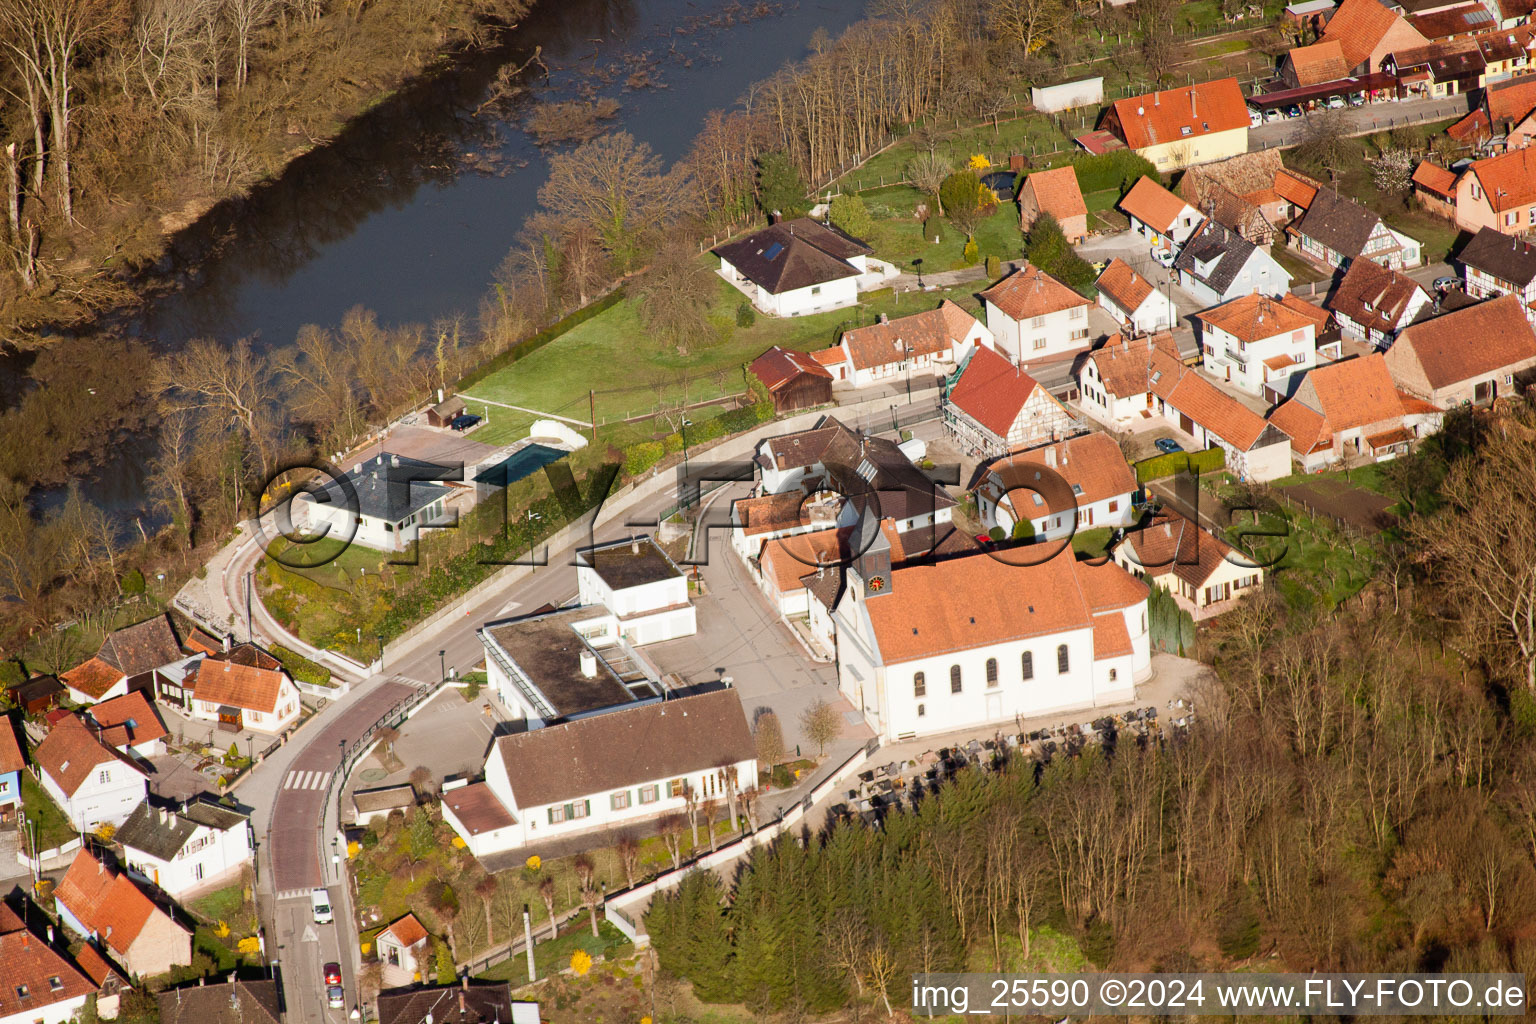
(1192,95)
(50,935)
(226,643)
(202,981)
(1063,456)
(394,460)
(885,319)
(634,545)
(588,664)
(465,982)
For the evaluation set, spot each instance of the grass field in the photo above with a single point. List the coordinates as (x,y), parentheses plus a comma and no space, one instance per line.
(53,827)
(900,239)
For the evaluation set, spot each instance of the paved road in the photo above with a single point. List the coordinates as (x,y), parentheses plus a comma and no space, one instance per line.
(1372,117)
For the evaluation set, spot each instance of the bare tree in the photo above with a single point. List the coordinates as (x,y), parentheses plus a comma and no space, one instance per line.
(629,857)
(228,380)
(586,875)
(822,723)
(547,894)
(670,828)
(674,297)
(769,738)
(615,186)
(927,171)
(691,803)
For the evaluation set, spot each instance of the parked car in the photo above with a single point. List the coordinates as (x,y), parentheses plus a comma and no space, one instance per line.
(1357,99)
(335,997)
(1255,118)
(1272,115)
(1167,445)
(332,974)
(1445,284)
(320,904)
(464,422)
(1336,103)
(1163,256)
(1293,111)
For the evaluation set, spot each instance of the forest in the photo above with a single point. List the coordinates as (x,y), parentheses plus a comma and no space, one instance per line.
(1358,792)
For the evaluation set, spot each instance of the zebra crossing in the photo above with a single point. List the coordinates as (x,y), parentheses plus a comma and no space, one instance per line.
(306,780)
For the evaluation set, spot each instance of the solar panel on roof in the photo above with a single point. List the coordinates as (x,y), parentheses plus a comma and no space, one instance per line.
(773,251)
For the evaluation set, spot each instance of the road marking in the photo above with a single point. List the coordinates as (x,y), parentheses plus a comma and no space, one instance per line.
(309,934)
(321,779)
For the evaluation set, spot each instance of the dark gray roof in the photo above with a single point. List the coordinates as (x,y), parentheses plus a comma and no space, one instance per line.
(385,489)
(547,650)
(237,1002)
(793,254)
(161,833)
(451,1004)
(870,472)
(631,563)
(144,646)
(1500,256)
(1215,242)
(1341,224)
(1373,296)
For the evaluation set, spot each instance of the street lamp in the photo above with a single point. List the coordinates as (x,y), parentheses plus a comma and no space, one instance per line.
(684,431)
(530,517)
(442,665)
(380,639)
(906,359)
(917,265)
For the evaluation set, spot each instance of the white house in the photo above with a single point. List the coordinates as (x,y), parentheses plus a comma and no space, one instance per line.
(243,696)
(641,586)
(786,561)
(1336,230)
(1032,316)
(99,903)
(131,724)
(995,407)
(1132,301)
(1076,484)
(38,983)
(849,476)
(202,846)
(93,784)
(930,341)
(593,773)
(382,504)
(403,948)
(1255,340)
(987,639)
(800,266)
(1372,303)
(130,658)
(1218,264)
(1203,573)
(1163,219)
(564,665)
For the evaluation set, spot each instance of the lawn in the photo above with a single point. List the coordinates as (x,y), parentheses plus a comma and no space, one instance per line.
(230,905)
(1034,135)
(553,955)
(1308,560)
(1092,543)
(52,825)
(900,239)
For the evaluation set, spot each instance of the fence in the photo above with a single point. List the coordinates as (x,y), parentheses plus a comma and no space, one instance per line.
(49,859)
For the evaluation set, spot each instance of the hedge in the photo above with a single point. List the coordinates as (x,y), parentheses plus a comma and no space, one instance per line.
(301,668)
(1118,170)
(530,345)
(640,457)
(1209,461)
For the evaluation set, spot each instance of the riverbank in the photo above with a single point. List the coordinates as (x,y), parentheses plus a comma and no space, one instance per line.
(166,147)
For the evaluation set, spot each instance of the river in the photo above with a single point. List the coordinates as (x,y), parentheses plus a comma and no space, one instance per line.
(411,209)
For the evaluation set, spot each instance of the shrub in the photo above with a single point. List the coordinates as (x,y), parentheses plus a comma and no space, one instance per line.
(849,214)
(1209,461)
(993,267)
(746,316)
(672,443)
(12,673)
(996,533)
(1118,170)
(640,457)
(971,252)
(581,962)
(1023,529)
(133,582)
(300,667)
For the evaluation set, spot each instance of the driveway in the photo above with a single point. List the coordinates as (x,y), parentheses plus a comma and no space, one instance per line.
(1373,117)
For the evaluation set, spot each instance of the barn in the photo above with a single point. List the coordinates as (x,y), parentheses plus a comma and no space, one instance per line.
(794,379)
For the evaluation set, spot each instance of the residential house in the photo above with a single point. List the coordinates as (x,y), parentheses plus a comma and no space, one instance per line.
(1060,488)
(614,769)
(1217,265)
(1502,109)
(1112,379)
(1455,23)
(1178,128)
(1367,32)
(1254,340)
(232,1001)
(994,407)
(1250,194)
(1498,192)
(185,851)
(798,266)
(564,665)
(1202,572)
(109,981)
(986,640)
(1434,188)
(383,503)
(643,588)
(101,904)
(37,695)
(852,476)
(128,659)
(131,724)
(404,947)
(12,764)
(466,1003)
(1034,316)
(1496,264)
(1438,69)
(1165,220)
(91,782)
(1316,64)
(1373,303)
(1351,410)
(930,341)
(1055,192)
(1132,301)
(39,983)
(794,380)
(785,563)
(243,696)
(1335,230)
(1472,355)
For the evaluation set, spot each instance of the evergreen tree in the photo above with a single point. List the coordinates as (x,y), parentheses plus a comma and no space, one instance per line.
(851,216)
(780,189)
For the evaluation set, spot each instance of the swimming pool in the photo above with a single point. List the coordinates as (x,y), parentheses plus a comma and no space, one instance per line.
(526,461)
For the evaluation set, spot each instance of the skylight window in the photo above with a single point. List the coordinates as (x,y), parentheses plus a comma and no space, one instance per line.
(1038,499)
(55,983)
(1077,490)
(772,252)
(22,992)
(1185,130)
(867,470)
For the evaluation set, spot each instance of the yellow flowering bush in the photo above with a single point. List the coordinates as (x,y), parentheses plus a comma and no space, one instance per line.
(581,962)
(533,862)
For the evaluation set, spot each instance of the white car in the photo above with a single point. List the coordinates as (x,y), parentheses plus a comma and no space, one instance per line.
(1163,256)
(320,903)
(1336,103)
(1255,118)
(1272,115)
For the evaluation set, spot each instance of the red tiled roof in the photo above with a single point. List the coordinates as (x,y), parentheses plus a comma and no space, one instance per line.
(1171,543)
(92,677)
(1152,204)
(128,720)
(241,686)
(1110,638)
(992,391)
(70,753)
(1056,192)
(1475,340)
(1319,63)
(1185,113)
(1215,410)
(1359,26)
(201,643)
(1436,179)
(1126,366)
(1295,188)
(770,513)
(786,560)
(1346,395)
(829,356)
(407,931)
(778,366)
(29,964)
(932,332)
(1091,464)
(1122,284)
(109,905)
(964,603)
(1254,317)
(96,966)
(1509,179)
(10,751)
(1030,292)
